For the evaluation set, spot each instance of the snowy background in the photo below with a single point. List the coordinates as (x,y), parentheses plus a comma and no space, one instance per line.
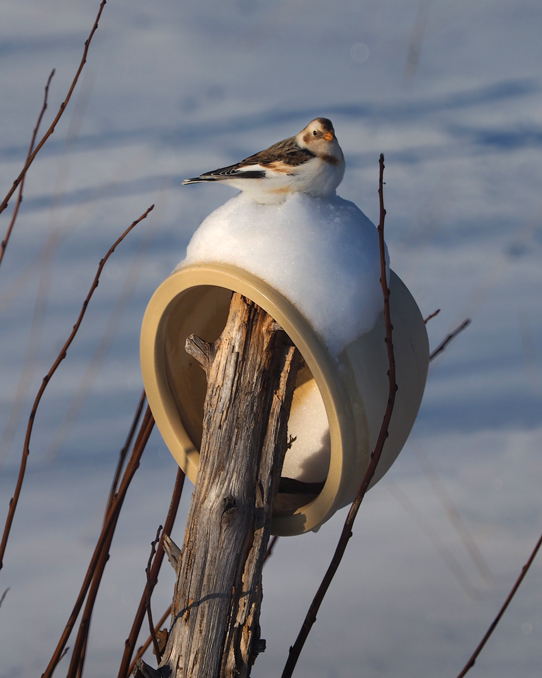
(450,91)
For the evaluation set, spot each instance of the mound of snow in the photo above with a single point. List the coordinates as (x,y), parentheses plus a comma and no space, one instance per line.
(320,253)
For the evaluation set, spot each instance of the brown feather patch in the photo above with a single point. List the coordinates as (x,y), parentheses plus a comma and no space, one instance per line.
(283,189)
(289,149)
(280,166)
(330,159)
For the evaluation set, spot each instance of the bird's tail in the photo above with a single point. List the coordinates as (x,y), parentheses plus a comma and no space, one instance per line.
(199,180)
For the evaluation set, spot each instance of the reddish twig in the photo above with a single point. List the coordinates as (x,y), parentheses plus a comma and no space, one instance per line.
(148,590)
(497,619)
(449,338)
(79,650)
(26,449)
(270,548)
(426,320)
(61,110)
(21,185)
(129,645)
(146,644)
(93,575)
(77,663)
(81,665)
(346,533)
(126,447)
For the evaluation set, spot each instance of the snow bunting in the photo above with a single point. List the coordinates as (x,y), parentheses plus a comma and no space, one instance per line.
(311,162)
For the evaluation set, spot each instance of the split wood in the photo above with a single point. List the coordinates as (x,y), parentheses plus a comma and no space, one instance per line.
(251,371)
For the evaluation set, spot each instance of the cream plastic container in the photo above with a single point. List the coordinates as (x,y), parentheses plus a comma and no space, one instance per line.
(353,386)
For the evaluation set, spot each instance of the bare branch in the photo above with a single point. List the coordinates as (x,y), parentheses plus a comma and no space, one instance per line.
(497,619)
(4,596)
(130,643)
(146,644)
(346,533)
(449,338)
(97,562)
(63,351)
(21,185)
(149,589)
(270,548)
(61,110)
(125,448)
(435,313)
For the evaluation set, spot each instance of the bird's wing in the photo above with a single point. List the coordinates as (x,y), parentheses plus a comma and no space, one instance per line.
(282,157)
(287,152)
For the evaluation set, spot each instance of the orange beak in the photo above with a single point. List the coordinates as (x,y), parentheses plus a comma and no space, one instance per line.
(329,136)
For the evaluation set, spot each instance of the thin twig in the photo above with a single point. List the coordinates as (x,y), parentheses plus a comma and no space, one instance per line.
(146,644)
(449,338)
(129,646)
(26,449)
(61,110)
(346,533)
(126,447)
(454,516)
(66,650)
(145,431)
(77,661)
(4,596)
(21,185)
(435,536)
(497,619)
(415,46)
(426,320)
(149,589)
(82,656)
(270,548)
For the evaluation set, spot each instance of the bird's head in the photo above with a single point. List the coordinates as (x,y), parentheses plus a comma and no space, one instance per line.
(319,138)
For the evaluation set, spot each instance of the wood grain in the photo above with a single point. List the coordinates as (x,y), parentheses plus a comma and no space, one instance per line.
(251,371)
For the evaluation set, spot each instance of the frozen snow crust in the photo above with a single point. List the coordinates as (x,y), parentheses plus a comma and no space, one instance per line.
(321,253)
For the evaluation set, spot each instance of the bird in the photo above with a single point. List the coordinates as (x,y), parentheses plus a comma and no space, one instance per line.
(310,162)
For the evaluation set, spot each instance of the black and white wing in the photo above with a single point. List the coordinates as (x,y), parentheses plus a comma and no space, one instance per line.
(281,158)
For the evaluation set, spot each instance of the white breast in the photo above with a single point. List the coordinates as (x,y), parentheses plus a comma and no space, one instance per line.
(315,177)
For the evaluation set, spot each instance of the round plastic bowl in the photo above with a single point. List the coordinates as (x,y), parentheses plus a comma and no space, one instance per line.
(353,386)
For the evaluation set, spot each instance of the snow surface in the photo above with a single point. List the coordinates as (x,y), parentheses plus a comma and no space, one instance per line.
(320,253)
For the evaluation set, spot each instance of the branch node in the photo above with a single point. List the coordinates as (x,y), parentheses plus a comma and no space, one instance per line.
(172,551)
(201,351)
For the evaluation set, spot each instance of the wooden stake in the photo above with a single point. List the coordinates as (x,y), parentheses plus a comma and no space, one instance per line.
(251,371)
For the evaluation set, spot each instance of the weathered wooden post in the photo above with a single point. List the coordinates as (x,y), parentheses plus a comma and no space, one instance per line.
(251,372)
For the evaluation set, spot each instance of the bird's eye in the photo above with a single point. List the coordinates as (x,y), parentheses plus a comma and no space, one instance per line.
(315,132)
